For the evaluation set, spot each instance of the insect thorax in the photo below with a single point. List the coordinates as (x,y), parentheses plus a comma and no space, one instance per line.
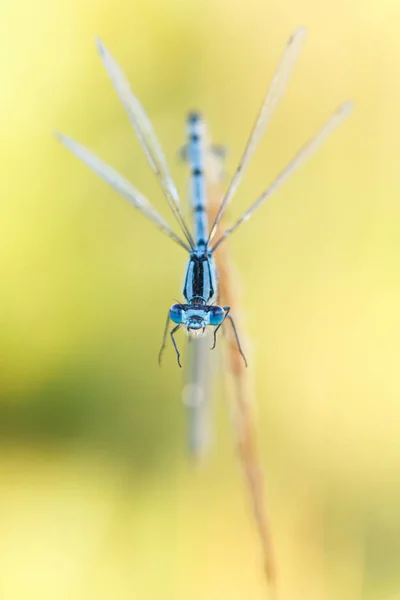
(200,282)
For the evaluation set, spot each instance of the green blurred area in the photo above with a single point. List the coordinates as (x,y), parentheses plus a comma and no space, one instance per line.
(98,498)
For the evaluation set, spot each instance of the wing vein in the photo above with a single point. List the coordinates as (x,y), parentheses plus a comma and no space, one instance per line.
(275,92)
(120,185)
(146,135)
(305,152)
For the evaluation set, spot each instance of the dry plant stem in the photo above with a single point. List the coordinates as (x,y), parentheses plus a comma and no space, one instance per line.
(246,430)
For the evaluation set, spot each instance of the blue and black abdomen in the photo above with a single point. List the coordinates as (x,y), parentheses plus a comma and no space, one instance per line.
(200,282)
(196,157)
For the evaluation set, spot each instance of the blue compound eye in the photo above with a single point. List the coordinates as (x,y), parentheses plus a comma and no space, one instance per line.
(176,313)
(217,315)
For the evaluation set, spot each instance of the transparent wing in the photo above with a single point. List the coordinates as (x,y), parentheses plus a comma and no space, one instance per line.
(276,90)
(146,135)
(303,154)
(120,185)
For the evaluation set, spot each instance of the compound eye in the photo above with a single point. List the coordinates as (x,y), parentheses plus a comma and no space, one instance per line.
(217,315)
(176,313)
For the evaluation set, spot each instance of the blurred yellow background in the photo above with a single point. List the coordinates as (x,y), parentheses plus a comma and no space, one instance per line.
(98,499)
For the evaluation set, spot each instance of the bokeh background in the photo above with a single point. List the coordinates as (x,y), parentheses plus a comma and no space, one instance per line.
(98,498)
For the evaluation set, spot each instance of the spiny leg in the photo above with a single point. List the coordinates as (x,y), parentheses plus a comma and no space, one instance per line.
(164,339)
(178,356)
(228,316)
(226,309)
(237,338)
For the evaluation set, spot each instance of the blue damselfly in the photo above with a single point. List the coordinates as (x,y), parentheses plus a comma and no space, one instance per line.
(199,311)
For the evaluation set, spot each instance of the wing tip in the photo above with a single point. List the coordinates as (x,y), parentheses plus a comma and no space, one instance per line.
(299,34)
(60,137)
(346,108)
(101,49)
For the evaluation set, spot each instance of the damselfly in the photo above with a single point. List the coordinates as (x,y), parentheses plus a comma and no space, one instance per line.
(200,311)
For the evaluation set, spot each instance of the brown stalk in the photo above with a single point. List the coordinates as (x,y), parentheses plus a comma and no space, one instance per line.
(243,396)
